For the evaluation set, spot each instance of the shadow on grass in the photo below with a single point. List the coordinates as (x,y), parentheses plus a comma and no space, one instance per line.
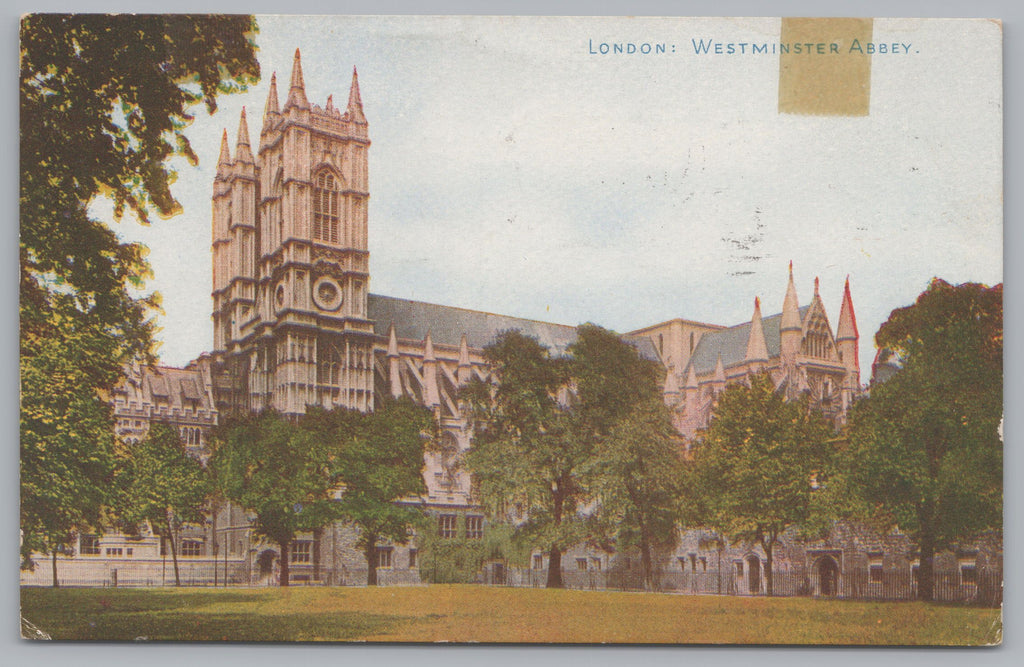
(183,626)
(176,615)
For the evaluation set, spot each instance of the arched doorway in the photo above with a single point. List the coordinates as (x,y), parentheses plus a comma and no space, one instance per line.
(753,574)
(828,576)
(265,564)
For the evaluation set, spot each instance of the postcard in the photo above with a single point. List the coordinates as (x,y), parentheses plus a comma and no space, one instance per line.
(511,329)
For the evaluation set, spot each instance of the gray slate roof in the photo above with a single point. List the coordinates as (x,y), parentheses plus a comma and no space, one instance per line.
(731,343)
(446,324)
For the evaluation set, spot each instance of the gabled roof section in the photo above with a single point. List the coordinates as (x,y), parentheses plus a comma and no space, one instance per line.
(413,320)
(731,344)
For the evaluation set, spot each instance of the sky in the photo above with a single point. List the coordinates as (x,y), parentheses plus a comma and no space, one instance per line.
(514,171)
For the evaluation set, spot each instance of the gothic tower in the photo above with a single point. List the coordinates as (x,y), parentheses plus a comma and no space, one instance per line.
(294,332)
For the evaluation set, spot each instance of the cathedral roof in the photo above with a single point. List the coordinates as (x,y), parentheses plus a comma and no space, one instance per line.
(731,344)
(413,320)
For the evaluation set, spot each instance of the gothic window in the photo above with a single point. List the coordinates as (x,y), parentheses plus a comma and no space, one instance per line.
(329,369)
(325,208)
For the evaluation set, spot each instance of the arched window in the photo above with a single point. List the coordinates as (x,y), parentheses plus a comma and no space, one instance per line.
(325,208)
(329,369)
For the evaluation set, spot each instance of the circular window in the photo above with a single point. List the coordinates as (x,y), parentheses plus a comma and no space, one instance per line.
(279,296)
(327,294)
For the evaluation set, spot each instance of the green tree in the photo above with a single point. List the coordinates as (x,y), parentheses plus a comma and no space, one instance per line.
(165,486)
(634,469)
(638,482)
(378,467)
(924,448)
(539,429)
(104,102)
(284,475)
(756,460)
(525,459)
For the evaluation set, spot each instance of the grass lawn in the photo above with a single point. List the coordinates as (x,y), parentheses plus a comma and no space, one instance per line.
(484,614)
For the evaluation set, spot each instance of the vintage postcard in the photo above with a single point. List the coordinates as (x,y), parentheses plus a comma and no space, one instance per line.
(511,329)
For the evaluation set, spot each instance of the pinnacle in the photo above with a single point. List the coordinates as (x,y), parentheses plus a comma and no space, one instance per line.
(271,107)
(355,102)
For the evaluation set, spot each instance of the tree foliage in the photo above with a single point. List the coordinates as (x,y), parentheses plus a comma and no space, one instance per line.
(753,466)
(539,429)
(163,486)
(379,467)
(925,451)
(104,102)
(526,460)
(282,474)
(637,480)
(365,468)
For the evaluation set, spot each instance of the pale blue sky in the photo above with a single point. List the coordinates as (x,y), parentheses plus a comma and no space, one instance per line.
(512,171)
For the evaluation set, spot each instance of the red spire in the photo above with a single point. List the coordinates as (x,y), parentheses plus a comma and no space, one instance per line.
(847,328)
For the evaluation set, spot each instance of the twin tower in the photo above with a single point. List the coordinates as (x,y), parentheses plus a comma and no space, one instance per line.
(290,258)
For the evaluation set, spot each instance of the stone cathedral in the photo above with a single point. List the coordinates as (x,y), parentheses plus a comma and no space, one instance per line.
(295,325)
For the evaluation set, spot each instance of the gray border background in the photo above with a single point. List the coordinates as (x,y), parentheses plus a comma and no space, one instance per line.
(15,651)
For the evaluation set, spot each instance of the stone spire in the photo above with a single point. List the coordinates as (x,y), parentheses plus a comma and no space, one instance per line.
(790,306)
(242,152)
(790,328)
(271,109)
(297,91)
(757,348)
(355,103)
(224,161)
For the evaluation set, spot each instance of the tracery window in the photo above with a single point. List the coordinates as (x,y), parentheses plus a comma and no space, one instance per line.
(325,208)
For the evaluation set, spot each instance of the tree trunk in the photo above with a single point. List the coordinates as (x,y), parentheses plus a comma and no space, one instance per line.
(283,560)
(555,553)
(645,560)
(555,568)
(370,553)
(174,552)
(926,568)
(721,548)
(56,582)
(769,547)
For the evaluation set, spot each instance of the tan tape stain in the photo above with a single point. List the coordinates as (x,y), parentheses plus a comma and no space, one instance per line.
(825,78)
